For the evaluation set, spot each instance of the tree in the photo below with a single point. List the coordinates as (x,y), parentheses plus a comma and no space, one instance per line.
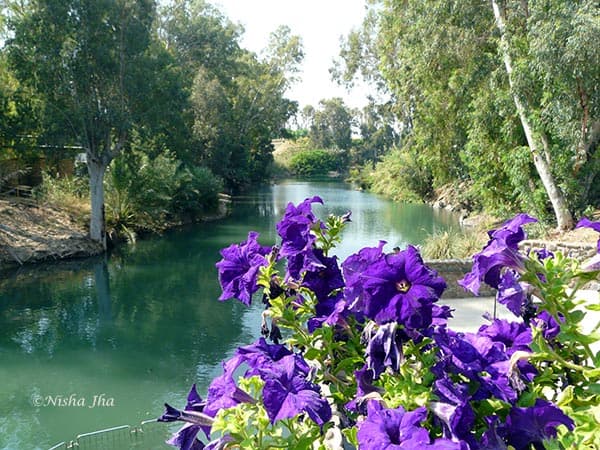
(379,131)
(536,136)
(502,95)
(83,56)
(332,125)
(238,102)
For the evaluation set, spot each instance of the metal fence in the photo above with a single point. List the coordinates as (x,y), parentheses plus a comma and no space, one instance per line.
(148,435)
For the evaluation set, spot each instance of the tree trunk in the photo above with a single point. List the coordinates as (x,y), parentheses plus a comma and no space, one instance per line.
(542,162)
(97,168)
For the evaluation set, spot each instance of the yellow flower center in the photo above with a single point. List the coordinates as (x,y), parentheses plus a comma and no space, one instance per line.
(403,286)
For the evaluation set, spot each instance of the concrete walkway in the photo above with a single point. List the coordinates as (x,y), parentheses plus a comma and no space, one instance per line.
(468,312)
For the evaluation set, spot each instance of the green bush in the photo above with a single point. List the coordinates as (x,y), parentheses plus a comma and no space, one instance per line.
(453,244)
(144,193)
(198,191)
(402,177)
(316,162)
(139,191)
(68,193)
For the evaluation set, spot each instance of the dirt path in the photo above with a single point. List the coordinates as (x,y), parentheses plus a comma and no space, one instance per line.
(31,233)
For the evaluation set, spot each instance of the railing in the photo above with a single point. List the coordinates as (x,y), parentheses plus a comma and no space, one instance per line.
(148,434)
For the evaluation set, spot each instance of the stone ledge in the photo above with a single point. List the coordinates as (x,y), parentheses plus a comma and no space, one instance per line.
(578,250)
(453,270)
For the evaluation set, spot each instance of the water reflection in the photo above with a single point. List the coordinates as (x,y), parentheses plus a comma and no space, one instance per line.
(144,324)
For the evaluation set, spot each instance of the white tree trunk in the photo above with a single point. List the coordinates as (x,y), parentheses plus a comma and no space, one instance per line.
(541,160)
(96,170)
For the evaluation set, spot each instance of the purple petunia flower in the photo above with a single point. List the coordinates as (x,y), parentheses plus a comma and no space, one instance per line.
(238,270)
(532,425)
(195,419)
(288,393)
(511,292)
(297,237)
(332,312)
(457,418)
(484,358)
(261,355)
(223,393)
(511,232)
(548,324)
(543,253)
(353,267)
(364,389)
(324,279)
(491,440)
(395,287)
(384,347)
(397,429)
(587,223)
(295,227)
(501,251)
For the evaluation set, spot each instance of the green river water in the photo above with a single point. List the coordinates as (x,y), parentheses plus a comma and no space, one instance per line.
(97,343)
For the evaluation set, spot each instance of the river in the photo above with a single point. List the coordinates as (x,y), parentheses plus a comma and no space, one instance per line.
(97,343)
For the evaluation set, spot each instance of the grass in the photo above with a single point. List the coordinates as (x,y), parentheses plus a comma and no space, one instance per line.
(453,244)
(69,194)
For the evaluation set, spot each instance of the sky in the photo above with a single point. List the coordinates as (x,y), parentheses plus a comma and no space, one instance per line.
(320,24)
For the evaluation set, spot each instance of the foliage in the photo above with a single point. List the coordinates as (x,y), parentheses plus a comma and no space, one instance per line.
(401,176)
(331,125)
(67,192)
(146,194)
(379,133)
(84,59)
(285,151)
(441,65)
(237,103)
(198,191)
(453,244)
(316,162)
(100,74)
(368,360)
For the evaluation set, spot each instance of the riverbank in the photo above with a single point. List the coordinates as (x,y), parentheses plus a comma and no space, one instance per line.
(33,232)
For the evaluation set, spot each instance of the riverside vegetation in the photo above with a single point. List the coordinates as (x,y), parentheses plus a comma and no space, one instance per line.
(497,102)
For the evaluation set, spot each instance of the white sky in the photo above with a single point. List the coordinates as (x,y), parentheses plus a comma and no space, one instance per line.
(320,23)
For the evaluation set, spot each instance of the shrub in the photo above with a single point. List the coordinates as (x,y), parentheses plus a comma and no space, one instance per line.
(453,244)
(198,191)
(139,191)
(316,162)
(70,193)
(402,177)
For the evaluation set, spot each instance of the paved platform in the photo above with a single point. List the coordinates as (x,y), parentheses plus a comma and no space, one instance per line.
(468,312)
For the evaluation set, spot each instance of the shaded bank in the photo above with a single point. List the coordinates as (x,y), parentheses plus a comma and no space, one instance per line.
(31,233)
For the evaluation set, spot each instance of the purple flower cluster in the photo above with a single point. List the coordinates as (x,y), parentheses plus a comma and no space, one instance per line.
(489,364)
(501,252)
(397,429)
(392,299)
(396,287)
(238,270)
(297,237)
(500,265)
(287,392)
